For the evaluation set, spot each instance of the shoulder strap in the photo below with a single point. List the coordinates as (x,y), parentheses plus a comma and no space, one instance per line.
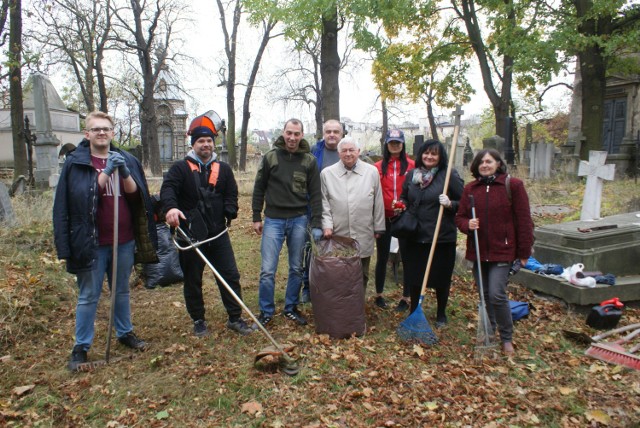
(213,175)
(507,184)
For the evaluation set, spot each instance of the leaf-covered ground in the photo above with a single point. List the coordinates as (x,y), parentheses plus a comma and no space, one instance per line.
(375,380)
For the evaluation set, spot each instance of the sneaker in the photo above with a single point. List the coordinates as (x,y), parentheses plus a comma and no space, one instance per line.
(200,328)
(239,326)
(402,306)
(381,303)
(305,296)
(294,315)
(263,319)
(78,357)
(133,341)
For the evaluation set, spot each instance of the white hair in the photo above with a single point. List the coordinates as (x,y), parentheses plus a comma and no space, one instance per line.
(347,140)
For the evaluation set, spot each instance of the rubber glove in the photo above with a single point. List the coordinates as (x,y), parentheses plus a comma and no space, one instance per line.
(115,160)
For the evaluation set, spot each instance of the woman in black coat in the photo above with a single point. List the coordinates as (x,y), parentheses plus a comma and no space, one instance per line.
(424,188)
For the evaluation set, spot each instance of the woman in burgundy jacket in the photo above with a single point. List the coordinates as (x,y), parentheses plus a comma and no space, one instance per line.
(505,233)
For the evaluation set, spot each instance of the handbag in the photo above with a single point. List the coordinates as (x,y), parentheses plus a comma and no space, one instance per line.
(405,224)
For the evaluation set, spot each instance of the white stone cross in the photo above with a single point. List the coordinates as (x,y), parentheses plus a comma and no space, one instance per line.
(595,170)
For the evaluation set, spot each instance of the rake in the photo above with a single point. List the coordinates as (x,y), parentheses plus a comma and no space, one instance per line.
(287,363)
(615,353)
(486,341)
(416,327)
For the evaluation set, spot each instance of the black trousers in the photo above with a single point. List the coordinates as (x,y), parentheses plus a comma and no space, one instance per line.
(383,245)
(220,253)
(414,261)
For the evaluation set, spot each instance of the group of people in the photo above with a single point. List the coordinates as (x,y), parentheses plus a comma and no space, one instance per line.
(304,193)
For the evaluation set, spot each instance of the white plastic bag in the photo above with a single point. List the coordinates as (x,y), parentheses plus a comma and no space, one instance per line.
(571,275)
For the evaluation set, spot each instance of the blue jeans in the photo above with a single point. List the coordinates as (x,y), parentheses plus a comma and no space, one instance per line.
(274,233)
(90,284)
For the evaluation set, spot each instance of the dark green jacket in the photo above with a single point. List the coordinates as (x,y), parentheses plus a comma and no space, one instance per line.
(286,183)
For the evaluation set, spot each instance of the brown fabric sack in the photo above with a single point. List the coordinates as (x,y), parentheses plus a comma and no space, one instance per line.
(335,284)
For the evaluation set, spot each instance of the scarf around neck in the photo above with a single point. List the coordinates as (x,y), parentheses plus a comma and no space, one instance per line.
(423,177)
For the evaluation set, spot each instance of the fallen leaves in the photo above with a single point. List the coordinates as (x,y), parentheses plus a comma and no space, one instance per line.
(21,390)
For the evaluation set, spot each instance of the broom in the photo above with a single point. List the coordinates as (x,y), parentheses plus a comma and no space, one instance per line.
(416,327)
(486,338)
(614,353)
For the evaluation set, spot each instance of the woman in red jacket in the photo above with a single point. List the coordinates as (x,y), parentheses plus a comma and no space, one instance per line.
(505,233)
(393,169)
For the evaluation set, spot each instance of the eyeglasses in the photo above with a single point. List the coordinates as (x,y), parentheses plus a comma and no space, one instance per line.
(105,129)
(348,150)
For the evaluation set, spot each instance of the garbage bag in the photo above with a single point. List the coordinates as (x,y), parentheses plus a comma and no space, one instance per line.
(335,285)
(167,271)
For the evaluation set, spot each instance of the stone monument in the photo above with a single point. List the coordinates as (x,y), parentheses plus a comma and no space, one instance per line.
(596,171)
(46,144)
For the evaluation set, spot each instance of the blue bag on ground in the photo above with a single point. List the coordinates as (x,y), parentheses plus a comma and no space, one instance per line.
(167,271)
(519,310)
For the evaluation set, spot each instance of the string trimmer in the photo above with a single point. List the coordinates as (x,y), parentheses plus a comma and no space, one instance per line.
(287,363)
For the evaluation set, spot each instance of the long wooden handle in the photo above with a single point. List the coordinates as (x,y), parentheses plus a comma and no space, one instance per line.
(436,232)
(114,257)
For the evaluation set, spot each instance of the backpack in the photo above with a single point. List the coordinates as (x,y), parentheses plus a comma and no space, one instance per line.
(519,310)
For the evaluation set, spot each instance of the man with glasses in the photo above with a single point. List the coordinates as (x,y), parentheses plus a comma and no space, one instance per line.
(352,201)
(84,223)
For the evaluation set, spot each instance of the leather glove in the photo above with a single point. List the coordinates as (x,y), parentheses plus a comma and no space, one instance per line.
(115,160)
(444,201)
(316,232)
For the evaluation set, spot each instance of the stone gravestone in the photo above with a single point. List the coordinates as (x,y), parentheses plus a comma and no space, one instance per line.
(7,215)
(540,160)
(596,171)
(495,142)
(46,145)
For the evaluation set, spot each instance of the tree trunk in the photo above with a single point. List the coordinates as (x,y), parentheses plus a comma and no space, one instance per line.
(20,166)
(330,65)
(230,51)
(385,122)
(430,116)
(593,71)
(500,103)
(246,114)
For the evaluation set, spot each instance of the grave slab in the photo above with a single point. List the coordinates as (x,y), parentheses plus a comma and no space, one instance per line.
(609,245)
(627,288)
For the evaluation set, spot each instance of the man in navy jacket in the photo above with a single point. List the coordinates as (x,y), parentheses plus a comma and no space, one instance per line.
(83,226)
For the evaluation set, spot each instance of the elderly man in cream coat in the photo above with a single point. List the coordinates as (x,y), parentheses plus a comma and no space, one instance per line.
(352,201)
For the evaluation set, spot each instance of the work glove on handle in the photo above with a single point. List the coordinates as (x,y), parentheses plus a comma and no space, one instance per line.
(230,215)
(124,171)
(444,201)
(115,160)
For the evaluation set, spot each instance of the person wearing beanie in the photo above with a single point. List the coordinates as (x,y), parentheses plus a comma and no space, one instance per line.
(200,194)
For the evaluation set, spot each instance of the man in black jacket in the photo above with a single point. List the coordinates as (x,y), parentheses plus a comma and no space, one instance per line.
(200,193)
(83,226)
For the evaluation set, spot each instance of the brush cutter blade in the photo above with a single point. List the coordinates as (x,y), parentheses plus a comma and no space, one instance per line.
(416,327)
(271,358)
